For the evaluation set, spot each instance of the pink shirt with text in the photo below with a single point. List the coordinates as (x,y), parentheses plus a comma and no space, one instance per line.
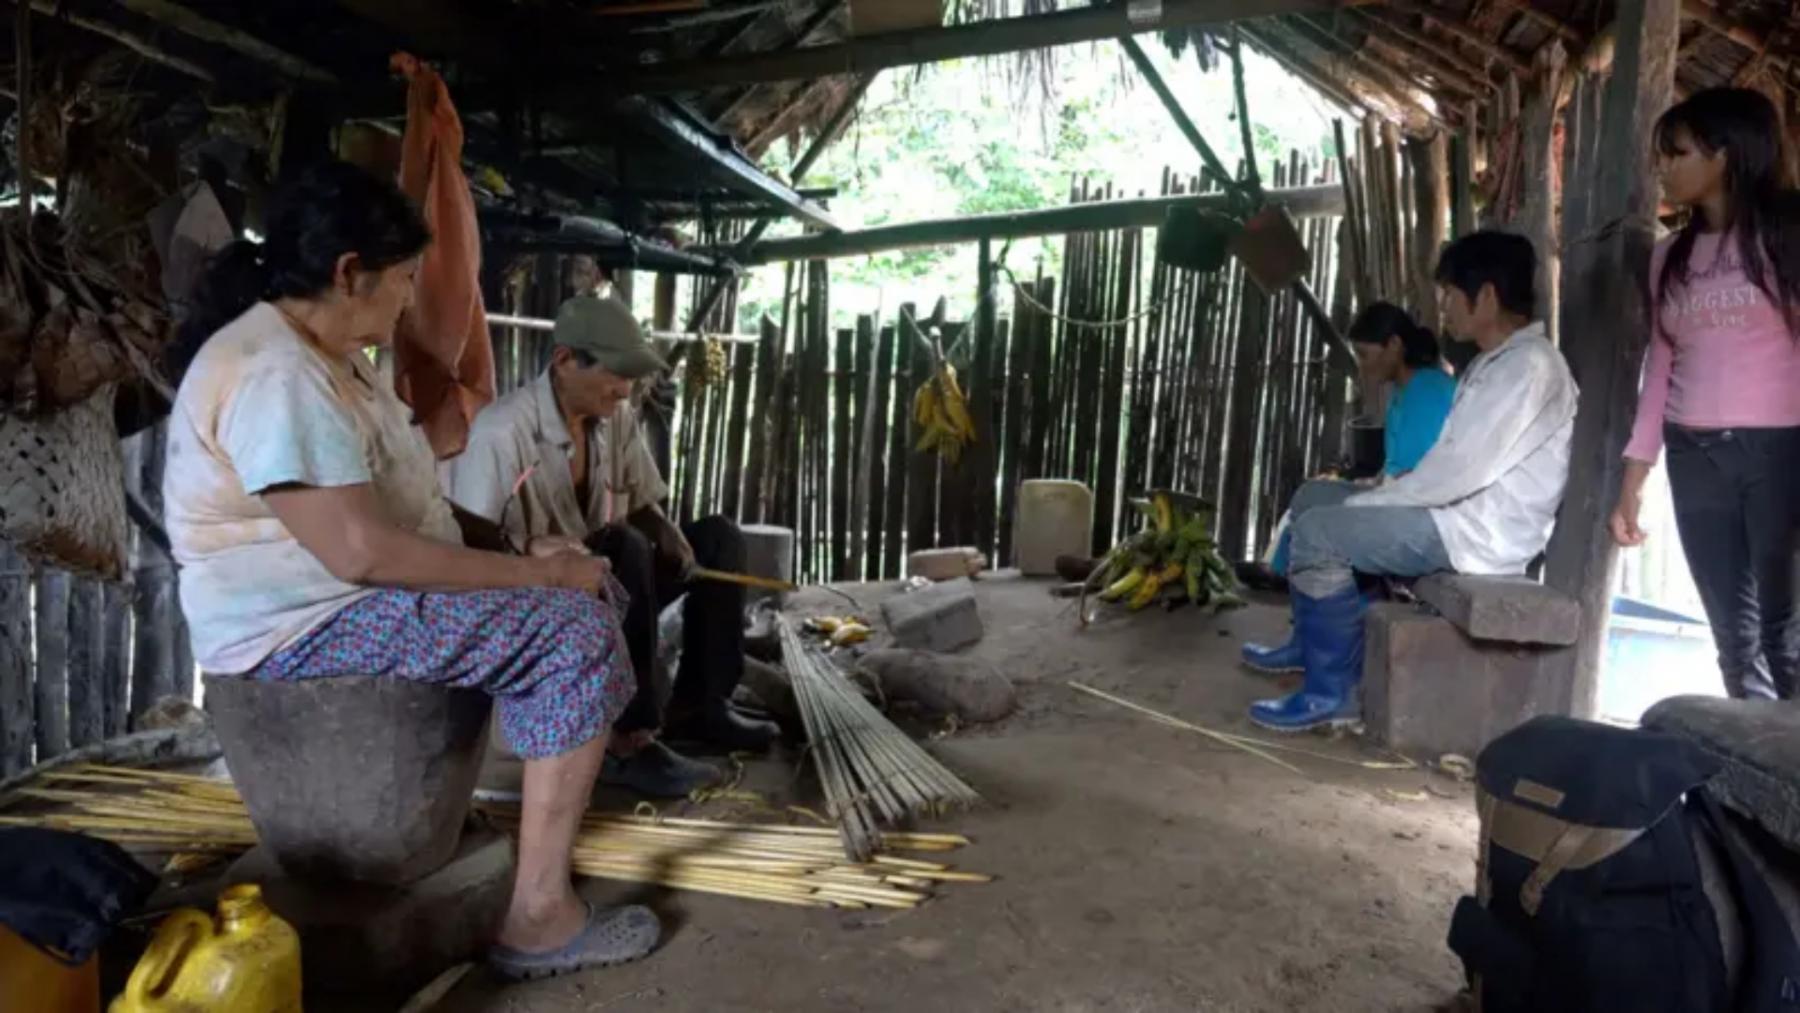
(1720,355)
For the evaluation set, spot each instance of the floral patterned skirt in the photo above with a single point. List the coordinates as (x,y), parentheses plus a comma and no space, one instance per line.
(553,660)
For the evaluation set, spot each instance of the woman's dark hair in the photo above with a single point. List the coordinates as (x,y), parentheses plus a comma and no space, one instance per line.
(1380,321)
(323,212)
(1489,257)
(1759,209)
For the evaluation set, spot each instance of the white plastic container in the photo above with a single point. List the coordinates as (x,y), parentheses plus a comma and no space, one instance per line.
(1056,518)
(768,552)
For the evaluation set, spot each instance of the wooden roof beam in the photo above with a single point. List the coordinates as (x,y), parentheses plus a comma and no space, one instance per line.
(1433,18)
(1143,212)
(1445,55)
(1423,62)
(187,22)
(1399,88)
(932,45)
(1306,70)
(1555,24)
(1707,15)
(684,131)
(811,25)
(130,40)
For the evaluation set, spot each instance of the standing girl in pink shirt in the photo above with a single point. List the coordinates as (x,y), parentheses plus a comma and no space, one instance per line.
(1722,383)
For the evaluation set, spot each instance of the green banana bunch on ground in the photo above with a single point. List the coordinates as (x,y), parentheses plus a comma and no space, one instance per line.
(1173,559)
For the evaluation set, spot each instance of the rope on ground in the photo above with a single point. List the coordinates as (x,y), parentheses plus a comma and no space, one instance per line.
(1176,722)
(1254,745)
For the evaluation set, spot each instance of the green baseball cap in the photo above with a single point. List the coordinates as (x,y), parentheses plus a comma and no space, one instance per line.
(606,330)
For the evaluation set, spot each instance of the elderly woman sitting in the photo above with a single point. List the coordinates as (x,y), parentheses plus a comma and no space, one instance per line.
(304,510)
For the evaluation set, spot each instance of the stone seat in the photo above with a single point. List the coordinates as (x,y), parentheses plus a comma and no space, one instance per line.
(1474,658)
(365,779)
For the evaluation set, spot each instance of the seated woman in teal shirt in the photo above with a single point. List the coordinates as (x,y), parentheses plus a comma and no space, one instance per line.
(1390,348)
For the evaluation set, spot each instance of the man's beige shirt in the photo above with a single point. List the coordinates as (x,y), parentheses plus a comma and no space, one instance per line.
(523,436)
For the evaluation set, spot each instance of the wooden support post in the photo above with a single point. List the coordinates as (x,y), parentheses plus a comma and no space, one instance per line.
(50,691)
(1537,211)
(1607,321)
(16,711)
(844,362)
(984,457)
(1429,159)
(1462,181)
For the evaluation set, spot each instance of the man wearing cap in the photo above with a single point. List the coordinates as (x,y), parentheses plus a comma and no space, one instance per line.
(562,462)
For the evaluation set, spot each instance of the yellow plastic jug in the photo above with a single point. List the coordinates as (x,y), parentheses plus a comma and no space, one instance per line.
(247,960)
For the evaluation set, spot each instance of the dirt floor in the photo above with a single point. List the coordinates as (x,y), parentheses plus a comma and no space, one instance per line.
(1141,867)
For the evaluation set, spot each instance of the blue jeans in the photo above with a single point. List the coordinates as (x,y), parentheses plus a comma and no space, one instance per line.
(1332,543)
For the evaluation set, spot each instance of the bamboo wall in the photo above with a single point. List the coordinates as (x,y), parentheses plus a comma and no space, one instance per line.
(1119,372)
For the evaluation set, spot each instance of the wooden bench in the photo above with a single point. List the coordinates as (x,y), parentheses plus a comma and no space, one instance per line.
(1473,658)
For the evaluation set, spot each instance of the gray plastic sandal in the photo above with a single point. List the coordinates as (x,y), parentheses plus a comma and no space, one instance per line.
(610,937)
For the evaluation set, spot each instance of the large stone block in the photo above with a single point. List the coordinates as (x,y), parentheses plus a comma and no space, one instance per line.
(1759,743)
(354,779)
(1429,688)
(1512,609)
(941,617)
(368,939)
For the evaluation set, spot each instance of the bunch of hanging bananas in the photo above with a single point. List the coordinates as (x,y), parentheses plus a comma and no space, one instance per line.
(942,412)
(1173,558)
(708,367)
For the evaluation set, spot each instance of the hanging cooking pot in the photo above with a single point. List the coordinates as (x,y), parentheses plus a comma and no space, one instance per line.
(1195,239)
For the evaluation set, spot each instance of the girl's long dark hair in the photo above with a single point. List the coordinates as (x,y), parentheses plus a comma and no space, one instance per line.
(325,211)
(1382,320)
(1761,211)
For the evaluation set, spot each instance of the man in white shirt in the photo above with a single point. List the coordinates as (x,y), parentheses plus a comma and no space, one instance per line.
(1482,501)
(562,462)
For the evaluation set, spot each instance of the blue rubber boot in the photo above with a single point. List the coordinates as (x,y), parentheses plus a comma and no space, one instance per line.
(1330,633)
(1280,660)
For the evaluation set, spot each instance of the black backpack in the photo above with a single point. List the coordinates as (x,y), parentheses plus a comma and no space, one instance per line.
(1609,879)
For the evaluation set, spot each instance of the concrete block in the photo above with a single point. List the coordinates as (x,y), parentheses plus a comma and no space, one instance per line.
(1759,744)
(1430,689)
(358,778)
(1512,609)
(363,938)
(942,617)
(945,564)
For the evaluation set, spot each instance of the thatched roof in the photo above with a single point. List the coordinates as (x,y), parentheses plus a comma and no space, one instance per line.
(1428,60)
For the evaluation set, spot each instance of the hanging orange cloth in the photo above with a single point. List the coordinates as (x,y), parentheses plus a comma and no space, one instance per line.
(443,362)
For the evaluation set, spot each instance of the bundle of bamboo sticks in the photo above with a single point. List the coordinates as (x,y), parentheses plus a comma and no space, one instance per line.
(867,766)
(801,866)
(163,812)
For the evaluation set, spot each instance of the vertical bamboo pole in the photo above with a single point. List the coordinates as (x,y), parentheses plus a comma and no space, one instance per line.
(16,712)
(87,657)
(50,690)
